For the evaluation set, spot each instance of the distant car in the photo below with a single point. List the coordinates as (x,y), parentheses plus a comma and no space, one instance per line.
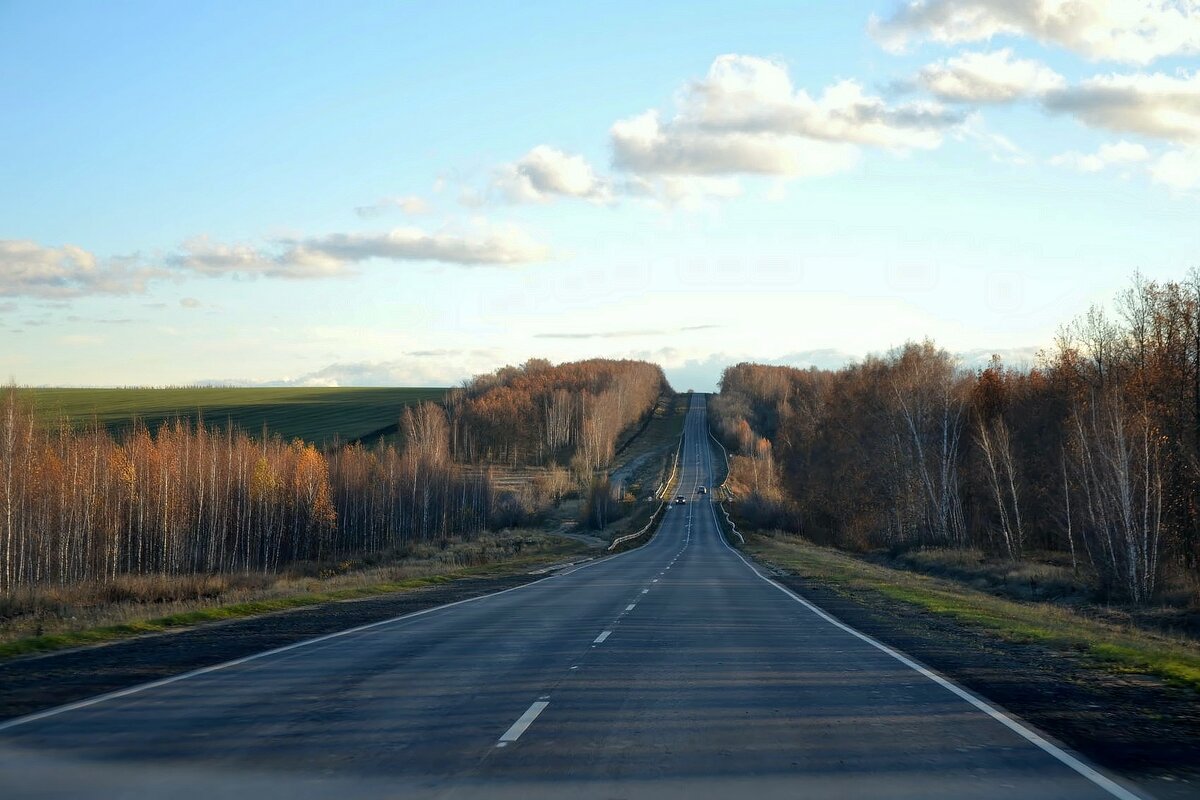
(680,500)
(701,490)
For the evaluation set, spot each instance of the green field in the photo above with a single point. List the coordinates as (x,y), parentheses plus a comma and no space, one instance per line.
(315,414)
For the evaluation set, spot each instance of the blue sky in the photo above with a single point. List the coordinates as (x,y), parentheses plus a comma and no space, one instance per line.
(408,193)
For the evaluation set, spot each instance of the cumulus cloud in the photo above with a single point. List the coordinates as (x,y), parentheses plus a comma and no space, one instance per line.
(996,77)
(407,204)
(1131,31)
(641,144)
(746,117)
(545,173)
(1157,105)
(30,269)
(1119,154)
(338,254)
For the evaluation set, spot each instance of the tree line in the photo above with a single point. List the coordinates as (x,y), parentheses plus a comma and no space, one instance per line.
(1094,452)
(540,414)
(189,498)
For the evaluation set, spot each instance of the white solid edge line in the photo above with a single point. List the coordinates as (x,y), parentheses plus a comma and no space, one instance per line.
(141,687)
(524,721)
(603,635)
(1103,781)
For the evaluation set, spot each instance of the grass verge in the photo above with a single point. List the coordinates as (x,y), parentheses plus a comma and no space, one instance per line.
(282,594)
(1114,648)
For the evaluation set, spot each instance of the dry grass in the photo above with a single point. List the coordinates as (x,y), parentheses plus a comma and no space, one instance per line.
(1041,576)
(1111,645)
(50,618)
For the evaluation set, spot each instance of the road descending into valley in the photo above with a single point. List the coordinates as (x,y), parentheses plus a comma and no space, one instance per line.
(674,670)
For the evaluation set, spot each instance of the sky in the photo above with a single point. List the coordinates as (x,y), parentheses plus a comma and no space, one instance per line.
(409,193)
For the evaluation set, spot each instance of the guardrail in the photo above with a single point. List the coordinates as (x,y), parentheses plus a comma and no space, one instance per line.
(662,487)
(728,495)
(732,526)
(659,494)
(630,536)
(723,488)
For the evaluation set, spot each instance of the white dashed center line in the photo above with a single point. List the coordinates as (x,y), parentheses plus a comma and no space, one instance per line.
(523,722)
(603,635)
(630,606)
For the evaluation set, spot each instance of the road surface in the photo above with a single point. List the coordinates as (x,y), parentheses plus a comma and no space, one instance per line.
(672,670)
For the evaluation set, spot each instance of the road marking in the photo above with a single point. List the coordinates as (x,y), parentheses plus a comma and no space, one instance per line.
(630,606)
(131,690)
(645,591)
(603,635)
(522,723)
(654,581)
(1107,784)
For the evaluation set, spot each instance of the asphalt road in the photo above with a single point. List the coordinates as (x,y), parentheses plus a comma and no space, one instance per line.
(672,670)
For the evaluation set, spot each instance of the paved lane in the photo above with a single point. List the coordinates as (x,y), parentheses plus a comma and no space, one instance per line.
(671,670)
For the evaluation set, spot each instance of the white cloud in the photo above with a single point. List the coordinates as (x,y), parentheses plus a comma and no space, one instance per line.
(1120,153)
(1132,31)
(751,95)
(1178,169)
(692,193)
(495,245)
(33,270)
(642,145)
(407,204)
(995,77)
(546,172)
(337,254)
(1158,105)
(746,117)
